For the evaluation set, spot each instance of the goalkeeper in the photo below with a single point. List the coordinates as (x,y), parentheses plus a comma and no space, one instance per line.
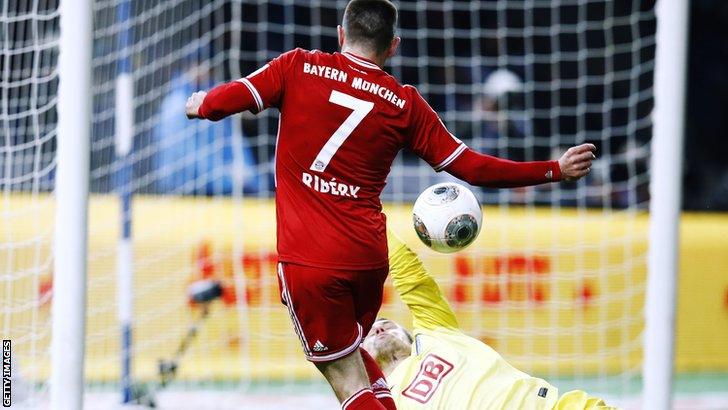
(443,368)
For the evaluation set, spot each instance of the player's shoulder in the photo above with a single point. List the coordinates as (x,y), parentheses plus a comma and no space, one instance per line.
(419,105)
(308,55)
(298,56)
(439,331)
(294,54)
(412,92)
(299,53)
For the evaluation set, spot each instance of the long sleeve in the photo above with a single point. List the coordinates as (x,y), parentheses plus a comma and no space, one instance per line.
(492,172)
(227,99)
(261,89)
(417,289)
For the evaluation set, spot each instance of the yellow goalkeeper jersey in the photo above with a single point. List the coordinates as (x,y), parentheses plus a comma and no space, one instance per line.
(451,370)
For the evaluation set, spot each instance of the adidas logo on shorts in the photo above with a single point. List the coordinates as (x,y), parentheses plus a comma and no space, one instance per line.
(319,347)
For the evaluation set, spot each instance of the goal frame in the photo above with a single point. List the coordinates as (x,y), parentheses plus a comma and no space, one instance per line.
(70,238)
(665,193)
(71,217)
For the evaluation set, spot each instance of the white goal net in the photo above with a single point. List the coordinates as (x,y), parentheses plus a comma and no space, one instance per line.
(555,283)
(28,91)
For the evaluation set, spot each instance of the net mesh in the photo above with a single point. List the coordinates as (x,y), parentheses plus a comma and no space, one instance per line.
(28,88)
(555,283)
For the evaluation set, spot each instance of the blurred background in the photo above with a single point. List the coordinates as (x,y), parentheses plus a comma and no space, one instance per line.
(705,171)
(556,282)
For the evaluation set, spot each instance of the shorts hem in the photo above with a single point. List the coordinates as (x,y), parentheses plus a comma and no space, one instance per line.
(338,355)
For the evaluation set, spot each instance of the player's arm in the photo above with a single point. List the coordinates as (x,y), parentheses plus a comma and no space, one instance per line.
(485,170)
(433,142)
(417,289)
(262,89)
(220,102)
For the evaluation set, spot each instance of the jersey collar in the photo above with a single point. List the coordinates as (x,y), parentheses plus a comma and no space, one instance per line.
(361,61)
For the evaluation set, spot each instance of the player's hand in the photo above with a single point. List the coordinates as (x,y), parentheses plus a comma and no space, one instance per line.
(577,161)
(192,107)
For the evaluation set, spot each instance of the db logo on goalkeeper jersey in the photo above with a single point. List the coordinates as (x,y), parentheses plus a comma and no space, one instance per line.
(432,371)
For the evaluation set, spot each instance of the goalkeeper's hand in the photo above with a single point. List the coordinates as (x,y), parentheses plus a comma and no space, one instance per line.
(192,107)
(577,161)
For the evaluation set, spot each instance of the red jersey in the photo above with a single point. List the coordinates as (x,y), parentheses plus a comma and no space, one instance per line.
(343,120)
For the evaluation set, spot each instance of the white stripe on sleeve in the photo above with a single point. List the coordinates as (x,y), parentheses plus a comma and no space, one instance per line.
(447,161)
(254,91)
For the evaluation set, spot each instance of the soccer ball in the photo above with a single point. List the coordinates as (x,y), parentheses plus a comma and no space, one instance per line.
(447,217)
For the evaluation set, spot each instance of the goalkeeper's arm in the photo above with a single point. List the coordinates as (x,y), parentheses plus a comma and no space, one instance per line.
(417,289)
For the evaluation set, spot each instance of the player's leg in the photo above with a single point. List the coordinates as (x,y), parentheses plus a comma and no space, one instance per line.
(378,382)
(368,290)
(349,380)
(321,306)
(368,293)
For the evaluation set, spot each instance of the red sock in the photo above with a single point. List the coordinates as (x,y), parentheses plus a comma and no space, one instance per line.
(377,380)
(362,400)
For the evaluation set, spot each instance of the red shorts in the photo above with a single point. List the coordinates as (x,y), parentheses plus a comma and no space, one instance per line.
(332,309)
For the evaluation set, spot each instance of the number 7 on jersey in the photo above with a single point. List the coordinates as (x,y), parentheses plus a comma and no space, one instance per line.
(361,109)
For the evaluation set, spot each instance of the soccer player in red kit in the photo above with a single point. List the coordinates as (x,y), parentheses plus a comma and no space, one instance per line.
(342,122)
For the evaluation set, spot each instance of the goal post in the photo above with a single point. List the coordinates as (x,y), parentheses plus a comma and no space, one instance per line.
(70,239)
(665,201)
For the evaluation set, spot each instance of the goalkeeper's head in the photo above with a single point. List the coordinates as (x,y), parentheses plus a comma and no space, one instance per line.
(368,28)
(388,343)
